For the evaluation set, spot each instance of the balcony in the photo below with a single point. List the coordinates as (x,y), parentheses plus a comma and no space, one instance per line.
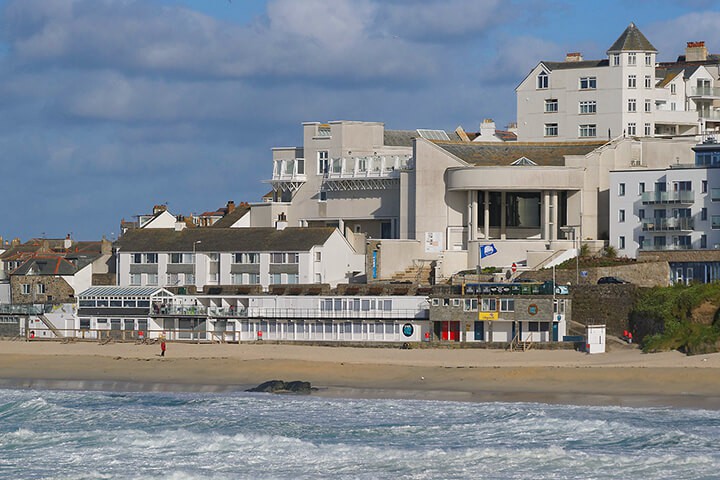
(668,224)
(679,197)
(711,93)
(288,175)
(710,115)
(228,312)
(179,311)
(372,172)
(650,246)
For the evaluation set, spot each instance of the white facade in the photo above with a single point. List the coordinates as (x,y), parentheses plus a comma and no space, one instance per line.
(622,95)
(596,339)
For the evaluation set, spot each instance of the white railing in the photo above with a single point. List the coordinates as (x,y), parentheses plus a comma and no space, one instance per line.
(382,166)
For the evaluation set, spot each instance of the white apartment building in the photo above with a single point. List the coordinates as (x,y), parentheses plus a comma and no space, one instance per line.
(625,94)
(203,257)
(676,208)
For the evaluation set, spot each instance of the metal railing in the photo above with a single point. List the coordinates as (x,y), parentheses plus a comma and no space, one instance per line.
(704,92)
(680,196)
(649,245)
(311,313)
(668,224)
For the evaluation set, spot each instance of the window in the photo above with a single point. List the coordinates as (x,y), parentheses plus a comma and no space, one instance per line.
(507,304)
(641,241)
(621,189)
(275,278)
(716,222)
(631,128)
(322,196)
(587,107)
(616,59)
(621,242)
(252,258)
(551,129)
(186,258)
(632,105)
(715,194)
(318,256)
(551,105)
(641,213)
(135,279)
(632,58)
(489,305)
(648,81)
(648,59)
(542,80)
(323,162)
(673,106)
(318,278)
(300,162)
(151,258)
(284,258)
(703,214)
(40,288)
(136,258)
(648,106)
(26,289)
(704,186)
(648,129)
(293,278)
(471,305)
(703,241)
(621,216)
(152,278)
(588,130)
(189,279)
(673,89)
(588,83)
(641,188)
(632,81)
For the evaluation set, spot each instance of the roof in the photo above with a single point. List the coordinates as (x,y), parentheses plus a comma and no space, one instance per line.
(229,219)
(291,239)
(503,154)
(107,291)
(669,75)
(711,58)
(404,138)
(582,64)
(51,265)
(632,39)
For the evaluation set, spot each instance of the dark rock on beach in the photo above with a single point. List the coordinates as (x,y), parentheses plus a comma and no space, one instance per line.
(279,386)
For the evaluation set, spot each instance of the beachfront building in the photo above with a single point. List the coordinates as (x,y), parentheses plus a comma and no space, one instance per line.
(518,313)
(671,214)
(312,314)
(203,258)
(624,94)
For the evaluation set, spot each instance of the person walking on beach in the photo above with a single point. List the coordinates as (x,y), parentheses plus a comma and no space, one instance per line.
(162,347)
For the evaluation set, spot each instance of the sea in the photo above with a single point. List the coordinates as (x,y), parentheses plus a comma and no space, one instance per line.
(49,434)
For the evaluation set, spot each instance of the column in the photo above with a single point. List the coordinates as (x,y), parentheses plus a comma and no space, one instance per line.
(487,215)
(503,215)
(472,221)
(545,214)
(553,215)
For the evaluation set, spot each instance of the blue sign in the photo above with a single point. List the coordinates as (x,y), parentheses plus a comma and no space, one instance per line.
(583,273)
(374,264)
(487,250)
(408,329)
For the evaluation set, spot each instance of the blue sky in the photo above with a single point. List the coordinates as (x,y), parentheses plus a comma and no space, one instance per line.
(108,107)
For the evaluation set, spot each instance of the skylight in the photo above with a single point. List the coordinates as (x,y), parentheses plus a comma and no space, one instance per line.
(433,134)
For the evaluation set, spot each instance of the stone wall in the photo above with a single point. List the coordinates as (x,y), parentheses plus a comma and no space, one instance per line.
(10,327)
(57,290)
(642,274)
(604,304)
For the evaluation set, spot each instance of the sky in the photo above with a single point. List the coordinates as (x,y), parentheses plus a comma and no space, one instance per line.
(108,107)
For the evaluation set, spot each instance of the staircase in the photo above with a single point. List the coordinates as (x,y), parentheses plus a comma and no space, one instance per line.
(418,273)
(50,326)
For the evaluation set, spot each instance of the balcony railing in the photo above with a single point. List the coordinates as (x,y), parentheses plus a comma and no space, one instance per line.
(649,245)
(179,310)
(382,166)
(230,312)
(712,115)
(291,170)
(707,92)
(676,197)
(668,224)
(255,312)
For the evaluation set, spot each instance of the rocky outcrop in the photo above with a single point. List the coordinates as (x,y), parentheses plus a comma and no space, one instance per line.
(279,386)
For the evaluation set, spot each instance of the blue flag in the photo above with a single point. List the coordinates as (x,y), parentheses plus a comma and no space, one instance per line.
(487,250)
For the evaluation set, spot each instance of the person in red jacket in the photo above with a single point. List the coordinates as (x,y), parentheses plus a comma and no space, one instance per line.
(162,347)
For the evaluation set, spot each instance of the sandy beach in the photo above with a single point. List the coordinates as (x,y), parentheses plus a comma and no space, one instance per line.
(624,376)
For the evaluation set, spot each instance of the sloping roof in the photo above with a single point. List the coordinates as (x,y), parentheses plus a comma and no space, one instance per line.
(404,138)
(107,291)
(711,58)
(570,65)
(632,39)
(504,154)
(291,239)
(46,266)
(229,220)
(668,75)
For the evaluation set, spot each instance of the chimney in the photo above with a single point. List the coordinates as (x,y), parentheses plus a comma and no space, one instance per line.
(696,52)
(67,243)
(281,223)
(462,134)
(180,223)
(230,206)
(487,128)
(573,57)
(105,246)
(159,208)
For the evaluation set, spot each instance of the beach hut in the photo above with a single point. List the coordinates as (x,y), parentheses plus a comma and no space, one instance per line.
(595,335)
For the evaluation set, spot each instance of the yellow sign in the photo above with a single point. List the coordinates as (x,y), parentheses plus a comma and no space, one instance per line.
(488,315)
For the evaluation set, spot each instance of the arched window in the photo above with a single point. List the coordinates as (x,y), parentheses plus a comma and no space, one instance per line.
(542,80)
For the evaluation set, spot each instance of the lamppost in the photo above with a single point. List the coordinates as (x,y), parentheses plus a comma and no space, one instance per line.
(195,282)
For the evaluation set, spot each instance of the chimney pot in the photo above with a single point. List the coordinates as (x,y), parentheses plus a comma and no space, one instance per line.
(573,57)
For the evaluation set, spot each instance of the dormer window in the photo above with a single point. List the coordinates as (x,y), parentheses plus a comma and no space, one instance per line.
(543,80)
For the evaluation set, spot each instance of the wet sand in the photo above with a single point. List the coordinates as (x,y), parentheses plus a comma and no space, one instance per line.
(624,376)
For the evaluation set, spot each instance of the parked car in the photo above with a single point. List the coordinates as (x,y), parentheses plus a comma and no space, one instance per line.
(613,280)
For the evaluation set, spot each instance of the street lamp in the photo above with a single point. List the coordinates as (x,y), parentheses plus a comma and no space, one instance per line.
(195,243)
